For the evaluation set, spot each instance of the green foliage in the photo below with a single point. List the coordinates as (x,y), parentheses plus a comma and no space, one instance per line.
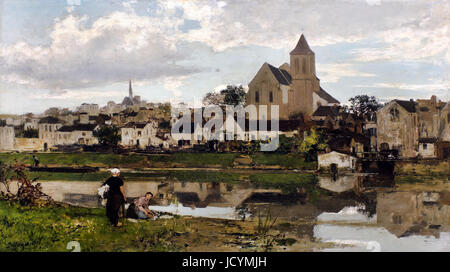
(107,135)
(314,141)
(290,161)
(201,160)
(364,106)
(50,229)
(287,144)
(232,95)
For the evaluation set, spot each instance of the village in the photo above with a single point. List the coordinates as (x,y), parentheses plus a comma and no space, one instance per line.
(417,128)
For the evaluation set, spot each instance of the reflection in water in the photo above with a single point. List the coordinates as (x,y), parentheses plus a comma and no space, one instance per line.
(405,221)
(381,219)
(408,213)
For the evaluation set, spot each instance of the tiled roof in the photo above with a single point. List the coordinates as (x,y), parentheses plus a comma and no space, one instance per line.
(408,105)
(281,75)
(326,111)
(77,127)
(134,125)
(49,120)
(324,95)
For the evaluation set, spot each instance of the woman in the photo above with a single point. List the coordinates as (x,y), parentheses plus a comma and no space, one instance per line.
(116,197)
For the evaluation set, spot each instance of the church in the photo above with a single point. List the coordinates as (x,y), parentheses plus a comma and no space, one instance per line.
(294,87)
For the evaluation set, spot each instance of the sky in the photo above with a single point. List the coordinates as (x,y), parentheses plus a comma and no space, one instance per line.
(61,53)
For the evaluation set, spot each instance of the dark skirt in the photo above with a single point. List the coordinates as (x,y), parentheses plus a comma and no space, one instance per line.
(113,205)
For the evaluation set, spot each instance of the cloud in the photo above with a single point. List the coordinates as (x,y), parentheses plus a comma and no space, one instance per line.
(114,48)
(439,88)
(407,86)
(278,24)
(426,38)
(77,95)
(333,72)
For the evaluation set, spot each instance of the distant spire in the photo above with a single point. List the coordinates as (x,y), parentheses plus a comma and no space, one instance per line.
(302,47)
(130,91)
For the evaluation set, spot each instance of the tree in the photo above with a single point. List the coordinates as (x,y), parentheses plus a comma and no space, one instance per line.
(107,135)
(364,106)
(213,98)
(31,133)
(232,95)
(313,141)
(53,111)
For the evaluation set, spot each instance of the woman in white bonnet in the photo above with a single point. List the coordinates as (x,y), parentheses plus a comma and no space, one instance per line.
(116,197)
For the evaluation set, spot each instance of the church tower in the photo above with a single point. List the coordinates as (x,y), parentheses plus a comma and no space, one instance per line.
(304,80)
(130,90)
(303,64)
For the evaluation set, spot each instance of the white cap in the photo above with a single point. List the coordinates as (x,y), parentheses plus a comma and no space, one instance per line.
(115,171)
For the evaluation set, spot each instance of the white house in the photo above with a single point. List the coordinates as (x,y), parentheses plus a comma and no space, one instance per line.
(339,159)
(139,135)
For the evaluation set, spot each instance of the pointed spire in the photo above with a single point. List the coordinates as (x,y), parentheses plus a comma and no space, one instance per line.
(130,91)
(302,47)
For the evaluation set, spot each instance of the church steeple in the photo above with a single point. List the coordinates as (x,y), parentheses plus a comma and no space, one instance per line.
(130,91)
(302,47)
(303,63)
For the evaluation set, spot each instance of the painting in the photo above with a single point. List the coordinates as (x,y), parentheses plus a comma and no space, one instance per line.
(224,126)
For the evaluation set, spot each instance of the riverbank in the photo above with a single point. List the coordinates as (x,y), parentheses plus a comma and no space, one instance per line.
(51,228)
(176,160)
(423,174)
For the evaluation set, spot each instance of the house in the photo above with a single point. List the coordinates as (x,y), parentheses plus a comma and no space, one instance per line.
(397,128)
(140,135)
(413,128)
(82,134)
(31,123)
(294,88)
(342,161)
(91,109)
(6,138)
(47,131)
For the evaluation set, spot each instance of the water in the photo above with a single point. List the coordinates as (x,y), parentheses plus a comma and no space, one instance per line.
(383,220)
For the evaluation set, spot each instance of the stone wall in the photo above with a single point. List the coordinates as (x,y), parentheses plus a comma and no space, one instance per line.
(28,144)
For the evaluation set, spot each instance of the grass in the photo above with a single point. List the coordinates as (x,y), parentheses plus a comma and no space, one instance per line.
(287,182)
(50,229)
(440,169)
(289,161)
(195,160)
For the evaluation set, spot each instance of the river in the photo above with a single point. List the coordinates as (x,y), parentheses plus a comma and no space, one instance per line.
(381,220)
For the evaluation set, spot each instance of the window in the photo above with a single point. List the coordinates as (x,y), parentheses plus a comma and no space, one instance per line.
(395,114)
(257,97)
(297,65)
(139,133)
(270,96)
(83,133)
(425,146)
(304,66)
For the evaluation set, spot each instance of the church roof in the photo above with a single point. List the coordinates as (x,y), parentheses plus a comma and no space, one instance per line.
(324,95)
(281,75)
(302,47)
